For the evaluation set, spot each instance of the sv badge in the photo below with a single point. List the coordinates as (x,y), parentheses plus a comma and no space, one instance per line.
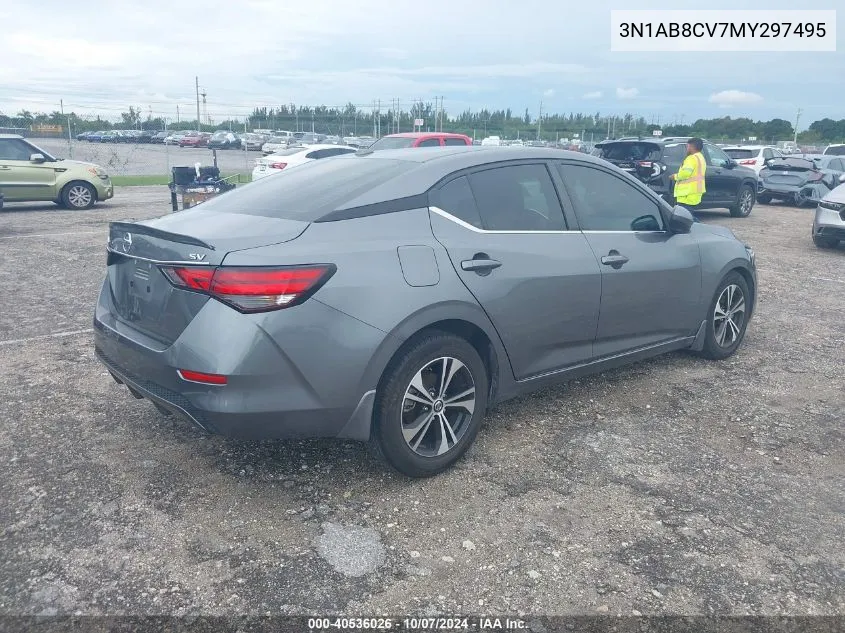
(196,256)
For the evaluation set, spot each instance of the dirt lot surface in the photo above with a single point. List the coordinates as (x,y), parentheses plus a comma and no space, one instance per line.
(675,486)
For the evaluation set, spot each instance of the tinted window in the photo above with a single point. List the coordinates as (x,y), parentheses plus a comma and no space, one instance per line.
(839,150)
(430,142)
(456,198)
(674,153)
(630,151)
(455,141)
(288,152)
(517,198)
(714,156)
(15,149)
(604,202)
(835,164)
(739,154)
(392,142)
(311,190)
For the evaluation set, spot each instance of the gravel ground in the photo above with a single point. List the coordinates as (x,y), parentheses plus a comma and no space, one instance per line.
(675,486)
(145,159)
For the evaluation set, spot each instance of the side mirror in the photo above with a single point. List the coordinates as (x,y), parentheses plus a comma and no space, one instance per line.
(681,220)
(37,158)
(731,164)
(842,178)
(645,223)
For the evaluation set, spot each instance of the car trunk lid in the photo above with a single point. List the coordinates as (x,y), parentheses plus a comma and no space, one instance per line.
(793,172)
(142,296)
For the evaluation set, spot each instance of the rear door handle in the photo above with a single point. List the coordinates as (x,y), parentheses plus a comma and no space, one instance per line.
(4,167)
(480,265)
(614,259)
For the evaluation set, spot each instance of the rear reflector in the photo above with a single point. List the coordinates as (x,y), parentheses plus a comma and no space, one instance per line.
(278,165)
(253,289)
(200,377)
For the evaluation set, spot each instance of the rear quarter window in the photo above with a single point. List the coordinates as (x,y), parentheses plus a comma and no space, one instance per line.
(304,193)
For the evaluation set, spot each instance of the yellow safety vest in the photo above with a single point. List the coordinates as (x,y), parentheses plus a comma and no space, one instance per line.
(689,183)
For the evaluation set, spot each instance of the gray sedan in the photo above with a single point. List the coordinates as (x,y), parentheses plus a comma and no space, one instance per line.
(394,297)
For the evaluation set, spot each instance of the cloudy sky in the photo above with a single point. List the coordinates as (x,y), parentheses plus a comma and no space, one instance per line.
(103,57)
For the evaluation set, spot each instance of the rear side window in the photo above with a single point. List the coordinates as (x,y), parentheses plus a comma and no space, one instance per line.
(429,142)
(455,141)
(310,191)
(393,142)
(517,198)
(455,197)
(838,150)
(674,153)
(631,151)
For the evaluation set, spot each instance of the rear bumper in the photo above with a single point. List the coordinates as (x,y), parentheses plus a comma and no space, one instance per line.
(308,386)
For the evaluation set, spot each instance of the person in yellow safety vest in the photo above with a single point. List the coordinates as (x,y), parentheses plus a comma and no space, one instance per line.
(689,181)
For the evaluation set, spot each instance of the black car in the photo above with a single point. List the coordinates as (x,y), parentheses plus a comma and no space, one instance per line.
(653,161)
(158,137)
(224,140)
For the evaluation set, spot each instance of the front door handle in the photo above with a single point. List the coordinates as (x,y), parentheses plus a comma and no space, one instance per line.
(4,167)
(614,259)
(480,265)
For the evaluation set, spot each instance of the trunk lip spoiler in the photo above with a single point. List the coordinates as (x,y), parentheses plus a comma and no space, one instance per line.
(159,261)
(143,229)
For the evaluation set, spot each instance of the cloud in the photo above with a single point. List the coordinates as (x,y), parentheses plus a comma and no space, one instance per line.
(549,93)
(595,94)
(392,53)
(728,98)
(626,93)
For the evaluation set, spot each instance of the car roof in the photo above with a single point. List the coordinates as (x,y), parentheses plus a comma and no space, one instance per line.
(4,136)
(425,134)
(749,147)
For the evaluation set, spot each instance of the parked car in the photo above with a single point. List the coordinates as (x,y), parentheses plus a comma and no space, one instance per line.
(420,139)
(276,144)
(175,137)
(836,149)
(491,141)
(727,184)
(195,139)
(365,142)
(158,137)
(95,137)
(752,156)
(394,297)
(110,136)
(800,179)
(332,139)
(252,141)
(30,174)
(829,221)
(83,136)
(224,140)
(295,156)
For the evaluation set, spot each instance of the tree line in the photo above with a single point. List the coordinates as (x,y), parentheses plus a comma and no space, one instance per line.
(352,120)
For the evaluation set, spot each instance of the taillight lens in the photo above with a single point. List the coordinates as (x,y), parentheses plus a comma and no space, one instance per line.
(750,161)
(278,165)
(253,289)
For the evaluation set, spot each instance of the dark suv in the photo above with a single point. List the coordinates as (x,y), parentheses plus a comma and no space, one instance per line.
(728,185)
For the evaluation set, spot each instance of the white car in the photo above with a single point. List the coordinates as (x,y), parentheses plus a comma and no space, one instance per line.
(752,156)
(294,156)
(276,144)
(836,149)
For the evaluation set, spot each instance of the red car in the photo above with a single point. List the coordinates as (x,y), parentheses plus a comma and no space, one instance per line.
(420,139)
(194,140)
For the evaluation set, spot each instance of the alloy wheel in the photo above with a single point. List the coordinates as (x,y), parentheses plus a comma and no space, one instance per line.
(438,406)
(746,202)
(729,316)
(79,196)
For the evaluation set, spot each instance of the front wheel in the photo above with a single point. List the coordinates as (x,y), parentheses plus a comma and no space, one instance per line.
(78,195)
(430,405)
(744,202)
(727,318)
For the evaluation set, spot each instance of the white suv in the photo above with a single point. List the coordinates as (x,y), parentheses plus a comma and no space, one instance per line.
(836,149)
(752,156)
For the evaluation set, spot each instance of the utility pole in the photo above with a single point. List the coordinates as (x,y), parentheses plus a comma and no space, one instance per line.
(539,120)
(199,123)
(797,118)
(378,135)
(204,107)
(177,114)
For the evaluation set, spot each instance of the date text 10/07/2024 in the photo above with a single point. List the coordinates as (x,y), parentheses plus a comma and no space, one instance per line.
(477,623)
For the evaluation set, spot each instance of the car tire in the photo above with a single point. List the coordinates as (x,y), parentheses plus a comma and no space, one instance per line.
(825,242)
(764,199)
(78,195)
(744,202)
(720,343)
(410,425)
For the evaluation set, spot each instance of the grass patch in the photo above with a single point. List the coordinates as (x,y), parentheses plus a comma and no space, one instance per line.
(147,181)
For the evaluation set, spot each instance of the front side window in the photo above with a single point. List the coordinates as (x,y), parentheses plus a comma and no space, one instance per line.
(715,157)
(605,202)
(16,149)
(517,198)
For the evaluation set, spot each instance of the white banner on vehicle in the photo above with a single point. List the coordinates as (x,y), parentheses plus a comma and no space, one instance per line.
(767,30)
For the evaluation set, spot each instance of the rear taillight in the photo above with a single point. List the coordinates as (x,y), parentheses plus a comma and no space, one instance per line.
(201,377)
(278,165)
(750,161)
(253,289)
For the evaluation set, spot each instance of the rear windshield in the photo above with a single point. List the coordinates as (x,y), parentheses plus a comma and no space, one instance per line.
(792,164)
(741,153)
(630,151)
(392,142)
(310,191)
(839,150)
(288,152)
